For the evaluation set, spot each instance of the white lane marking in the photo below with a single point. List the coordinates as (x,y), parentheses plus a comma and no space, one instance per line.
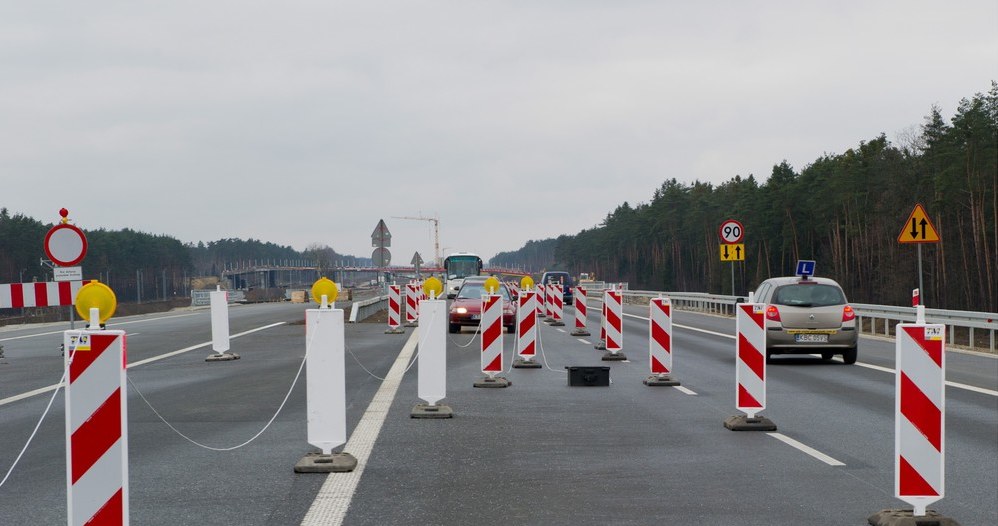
(806,449)
(331,504)
(685,390)
(133,365)
(116,324)
(585,341)
(560,330)
(882,369)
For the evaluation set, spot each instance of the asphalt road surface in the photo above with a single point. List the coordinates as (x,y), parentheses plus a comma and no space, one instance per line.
(538,452)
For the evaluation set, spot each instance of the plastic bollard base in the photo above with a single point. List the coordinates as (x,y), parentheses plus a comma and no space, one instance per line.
(222,357)
(493,382)
(423,410)
(907,518)
(744,423)
(319,463)
(660,379)
(525,363)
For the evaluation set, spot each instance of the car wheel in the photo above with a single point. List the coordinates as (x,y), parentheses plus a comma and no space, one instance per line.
(827,356)
(769,356)
(454,328)
(849,356)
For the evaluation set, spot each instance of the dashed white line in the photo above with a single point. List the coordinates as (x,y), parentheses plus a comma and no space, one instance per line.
(585,341)
(560,330)
(685,390)
(806,449)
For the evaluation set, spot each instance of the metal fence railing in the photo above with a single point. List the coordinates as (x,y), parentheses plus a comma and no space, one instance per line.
(975,330)
(362,309)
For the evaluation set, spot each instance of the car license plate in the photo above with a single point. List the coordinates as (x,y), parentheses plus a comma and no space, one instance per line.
(811,338)
(476,316)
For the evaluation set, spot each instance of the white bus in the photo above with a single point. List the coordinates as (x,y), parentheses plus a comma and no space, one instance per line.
(458,266)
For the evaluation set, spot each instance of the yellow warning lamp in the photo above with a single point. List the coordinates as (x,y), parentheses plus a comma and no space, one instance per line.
(492,285)
(432,287)
(527,283)
(324,287)
(96,295)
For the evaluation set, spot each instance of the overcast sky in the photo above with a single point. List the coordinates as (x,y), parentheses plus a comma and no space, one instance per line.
(301,122)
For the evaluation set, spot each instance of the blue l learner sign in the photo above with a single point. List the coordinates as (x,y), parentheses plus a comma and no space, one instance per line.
(805,268)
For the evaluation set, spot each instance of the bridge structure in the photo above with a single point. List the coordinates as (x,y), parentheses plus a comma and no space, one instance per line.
(266,275)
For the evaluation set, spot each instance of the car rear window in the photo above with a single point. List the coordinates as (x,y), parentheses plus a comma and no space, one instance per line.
(808,295)
(563,278)
(477,290)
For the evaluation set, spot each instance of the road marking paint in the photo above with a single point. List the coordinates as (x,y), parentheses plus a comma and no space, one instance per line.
(806,449)
(685,390)
(115,324)
(585,341)
(560,330)
(133,365)
(331,504)
(957,385)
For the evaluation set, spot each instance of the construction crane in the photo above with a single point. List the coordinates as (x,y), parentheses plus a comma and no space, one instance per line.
(436,232)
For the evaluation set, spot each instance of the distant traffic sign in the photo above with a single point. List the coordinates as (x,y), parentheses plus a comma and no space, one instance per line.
(918,228)
(381,237)
(733,252)
(731,232)
(417,260)
(382,257)
(65,245)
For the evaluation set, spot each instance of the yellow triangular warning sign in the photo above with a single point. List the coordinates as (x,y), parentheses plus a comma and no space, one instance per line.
(918,228)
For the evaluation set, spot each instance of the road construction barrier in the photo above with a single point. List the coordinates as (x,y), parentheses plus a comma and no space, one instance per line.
(920,413)
(492,334)
(541,302)
(750,370)
(549,301)
(614,311)
(526,323)
(96,427)
(411,304)
(660,342)
(581,308)
(557,305)
(394,308)
(45,294)
(432,373)
(220,327)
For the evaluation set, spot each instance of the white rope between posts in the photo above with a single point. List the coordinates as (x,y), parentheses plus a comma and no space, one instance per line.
(473,336)
(415,357)
(540,344)
(266,426)
(72,352)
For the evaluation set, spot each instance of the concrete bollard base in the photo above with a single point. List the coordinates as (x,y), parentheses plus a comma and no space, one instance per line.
(660,379)
(525,363)
(744,423)
(497,381)
(580,332)
(423,410)
(613,356)
(222,357)
(319,463)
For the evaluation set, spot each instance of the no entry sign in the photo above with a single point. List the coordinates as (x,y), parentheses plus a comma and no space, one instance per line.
(65,245)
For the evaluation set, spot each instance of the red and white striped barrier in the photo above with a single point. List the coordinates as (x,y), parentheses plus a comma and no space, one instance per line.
(601,344)
(96,428)
(920,414)
(557,305)
(541,303)
(411,304)
(526,331)
(491,334)
(394,309)
(514,288)
(549,302)
(613,303)
(660,342)
(44,294)
(750,366)
(580,312)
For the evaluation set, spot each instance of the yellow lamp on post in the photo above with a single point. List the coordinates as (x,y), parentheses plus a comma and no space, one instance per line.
(432,287)
(96,295)
(527,283)
(324,287)
(492,285)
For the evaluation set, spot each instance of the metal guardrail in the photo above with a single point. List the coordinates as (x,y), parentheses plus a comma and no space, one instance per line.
(968,322)
(360,310)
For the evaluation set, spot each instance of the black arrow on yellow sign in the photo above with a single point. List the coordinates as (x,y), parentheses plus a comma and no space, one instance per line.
(733,252)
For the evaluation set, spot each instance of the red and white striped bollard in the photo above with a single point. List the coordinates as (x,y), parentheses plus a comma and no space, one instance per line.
(750,369)
(492,359)
(613,303)
(395,310)
(660,342)
(526,331)
(580,312)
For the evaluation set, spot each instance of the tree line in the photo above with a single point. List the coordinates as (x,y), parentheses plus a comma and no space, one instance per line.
(843,210)
(141,265)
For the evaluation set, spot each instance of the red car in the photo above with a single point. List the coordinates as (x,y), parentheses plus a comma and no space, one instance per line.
(466,309)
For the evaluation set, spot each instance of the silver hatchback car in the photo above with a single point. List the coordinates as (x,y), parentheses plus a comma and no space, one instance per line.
(808,315)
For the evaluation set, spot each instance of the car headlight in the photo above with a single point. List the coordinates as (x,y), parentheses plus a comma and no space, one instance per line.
(461,310)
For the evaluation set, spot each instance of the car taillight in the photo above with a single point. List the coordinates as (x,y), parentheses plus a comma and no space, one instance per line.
(772,313)
(848,314)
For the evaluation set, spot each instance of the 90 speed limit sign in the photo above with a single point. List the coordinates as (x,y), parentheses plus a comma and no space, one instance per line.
(731,231)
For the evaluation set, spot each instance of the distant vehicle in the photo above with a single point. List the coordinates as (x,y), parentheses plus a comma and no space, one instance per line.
(466,309)
(457,267)
(562,277)
(808,315)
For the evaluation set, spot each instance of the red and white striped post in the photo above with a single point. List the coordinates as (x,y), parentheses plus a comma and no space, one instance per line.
(411,305)
(660,342)
(548,303)
(580,312)
(541,294)
(750,369)
(492,362)
(526,332)
(557,305)
(601,344)
(394,310)
(613,303)
(920,413)
(96,427)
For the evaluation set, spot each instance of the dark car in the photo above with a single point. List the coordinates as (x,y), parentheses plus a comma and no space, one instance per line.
(466,309)
(565,279)
(805,316)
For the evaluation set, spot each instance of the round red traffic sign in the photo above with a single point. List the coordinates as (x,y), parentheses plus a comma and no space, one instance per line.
(65,245)
(731,231)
